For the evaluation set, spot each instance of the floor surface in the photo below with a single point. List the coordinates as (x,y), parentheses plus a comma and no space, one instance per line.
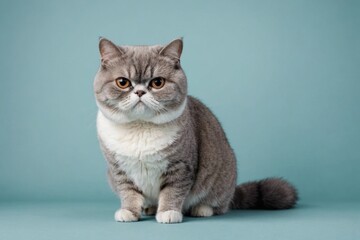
(76,220)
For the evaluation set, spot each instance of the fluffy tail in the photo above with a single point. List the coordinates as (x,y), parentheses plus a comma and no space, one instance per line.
(270,193)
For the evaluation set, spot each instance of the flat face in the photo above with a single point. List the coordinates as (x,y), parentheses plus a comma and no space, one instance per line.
(139,83)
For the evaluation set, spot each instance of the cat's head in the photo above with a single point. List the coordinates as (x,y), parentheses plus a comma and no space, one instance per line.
(141,83)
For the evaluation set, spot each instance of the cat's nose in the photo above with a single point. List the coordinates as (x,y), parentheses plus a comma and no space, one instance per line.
(140,92)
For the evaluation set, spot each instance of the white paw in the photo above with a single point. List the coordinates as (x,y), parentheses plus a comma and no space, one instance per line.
(124,215)
(202,211)
(170,216)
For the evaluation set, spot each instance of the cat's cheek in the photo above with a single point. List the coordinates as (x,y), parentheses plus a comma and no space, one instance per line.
(170,115)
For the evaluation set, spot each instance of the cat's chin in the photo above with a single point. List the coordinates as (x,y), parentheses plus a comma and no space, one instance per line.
(139,113)
(142,113)
(139,108)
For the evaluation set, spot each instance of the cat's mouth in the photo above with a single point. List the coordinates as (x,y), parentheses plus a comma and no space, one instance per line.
(139,102)
(139,105)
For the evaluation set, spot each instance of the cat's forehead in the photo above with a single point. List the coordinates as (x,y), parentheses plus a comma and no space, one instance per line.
(141,63)
(141,52)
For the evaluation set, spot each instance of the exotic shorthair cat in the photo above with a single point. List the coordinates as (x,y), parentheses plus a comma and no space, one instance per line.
(167,153)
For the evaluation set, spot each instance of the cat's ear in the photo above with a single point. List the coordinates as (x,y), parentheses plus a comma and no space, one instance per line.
(173,49)
(108,50)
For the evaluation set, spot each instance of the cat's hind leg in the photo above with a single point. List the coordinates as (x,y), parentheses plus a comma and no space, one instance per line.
(150,210)
(202,210)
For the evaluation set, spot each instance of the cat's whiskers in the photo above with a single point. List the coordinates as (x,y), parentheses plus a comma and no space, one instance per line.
(154,104)
(127,104)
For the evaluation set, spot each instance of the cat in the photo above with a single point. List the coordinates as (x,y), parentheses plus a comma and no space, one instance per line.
(167,153)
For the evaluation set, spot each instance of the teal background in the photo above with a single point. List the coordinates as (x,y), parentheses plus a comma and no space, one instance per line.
(283,77)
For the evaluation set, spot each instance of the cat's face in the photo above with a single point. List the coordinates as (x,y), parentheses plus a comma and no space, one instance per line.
(140,83)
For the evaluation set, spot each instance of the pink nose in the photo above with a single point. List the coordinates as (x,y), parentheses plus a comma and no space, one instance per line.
(140,92)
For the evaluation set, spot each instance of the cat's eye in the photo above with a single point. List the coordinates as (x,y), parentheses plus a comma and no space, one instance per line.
(123,82)
(157,83)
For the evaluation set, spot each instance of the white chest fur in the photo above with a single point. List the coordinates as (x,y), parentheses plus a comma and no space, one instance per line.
(138,150)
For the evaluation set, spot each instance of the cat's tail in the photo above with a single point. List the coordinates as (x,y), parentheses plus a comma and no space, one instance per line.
(270,193)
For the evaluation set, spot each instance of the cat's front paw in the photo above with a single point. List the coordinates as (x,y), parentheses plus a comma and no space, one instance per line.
(170,216)
(124,215)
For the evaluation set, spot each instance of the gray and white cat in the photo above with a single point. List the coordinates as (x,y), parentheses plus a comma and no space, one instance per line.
(167,153)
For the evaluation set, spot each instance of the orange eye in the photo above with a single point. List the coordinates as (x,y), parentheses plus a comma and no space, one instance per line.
(157,83)
(123,82)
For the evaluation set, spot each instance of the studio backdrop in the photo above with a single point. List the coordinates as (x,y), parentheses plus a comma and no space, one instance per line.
(283,79)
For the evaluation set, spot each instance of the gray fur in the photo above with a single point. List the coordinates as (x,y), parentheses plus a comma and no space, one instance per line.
(201,168)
